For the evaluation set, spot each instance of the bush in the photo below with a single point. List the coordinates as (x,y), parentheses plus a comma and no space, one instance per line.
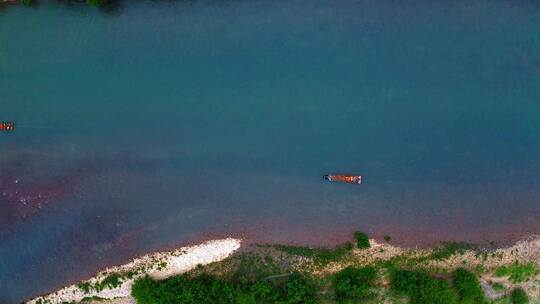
(205,289)
(143,290)
(387,238)
(519,296)
(298,290)
(421,288)
(467,287)
(354,283)
(362,240)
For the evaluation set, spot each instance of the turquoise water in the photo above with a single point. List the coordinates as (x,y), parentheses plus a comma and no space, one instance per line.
(157,123)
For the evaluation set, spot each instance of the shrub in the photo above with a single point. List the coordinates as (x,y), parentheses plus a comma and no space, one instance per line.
(143,290)
(205,289)
(421,288)
(467,287)
(387,238)
(113,280)
(362,240)
(519,296)
(299,290)
(354,283)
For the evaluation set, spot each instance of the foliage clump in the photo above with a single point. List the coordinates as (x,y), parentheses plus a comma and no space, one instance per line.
(353,284)
(421,288)
(362,240)
(205,289)
(467,287)
(111,281)
(519,296)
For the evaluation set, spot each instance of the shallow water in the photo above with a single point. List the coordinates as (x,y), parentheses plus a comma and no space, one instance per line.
(157,123)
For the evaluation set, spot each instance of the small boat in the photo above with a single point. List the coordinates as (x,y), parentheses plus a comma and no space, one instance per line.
(343,178)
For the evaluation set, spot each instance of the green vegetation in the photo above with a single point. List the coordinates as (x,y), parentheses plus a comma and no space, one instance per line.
(422,288)
(362,240)
(448,249)
(387,238)
(320,256)
(85,286)
(498,286)
(284,274)
(467,287)
(113,280)
(352,284)
(251,267)
(92,299)
(519,296)
(207,289)
(518,272)
(97,2)
(26,2)
(479,269)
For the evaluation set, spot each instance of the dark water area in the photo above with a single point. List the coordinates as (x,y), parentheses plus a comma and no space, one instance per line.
(155,124)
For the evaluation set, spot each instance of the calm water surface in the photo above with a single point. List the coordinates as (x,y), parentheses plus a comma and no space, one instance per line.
(156,123)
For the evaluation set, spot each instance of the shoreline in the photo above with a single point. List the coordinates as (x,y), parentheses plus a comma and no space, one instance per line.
(113,285)
(115,282)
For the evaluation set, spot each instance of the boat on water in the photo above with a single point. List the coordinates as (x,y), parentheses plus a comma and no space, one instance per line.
(344,178)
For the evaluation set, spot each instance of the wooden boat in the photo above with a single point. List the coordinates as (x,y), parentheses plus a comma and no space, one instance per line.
(344,178)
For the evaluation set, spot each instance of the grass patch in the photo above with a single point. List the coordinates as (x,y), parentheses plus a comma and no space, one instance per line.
(479,269)
(448,249)
(319,255)
(93,298)
(518,272)
(251,267)
(498,287)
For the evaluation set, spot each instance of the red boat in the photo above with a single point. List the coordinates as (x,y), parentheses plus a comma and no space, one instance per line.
(343,178)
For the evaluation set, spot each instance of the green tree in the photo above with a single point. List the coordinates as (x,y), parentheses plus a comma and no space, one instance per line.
(299,290)
(143,290)
(467,287)
(362,240)
(519,296)
(421,288)
(354,283)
